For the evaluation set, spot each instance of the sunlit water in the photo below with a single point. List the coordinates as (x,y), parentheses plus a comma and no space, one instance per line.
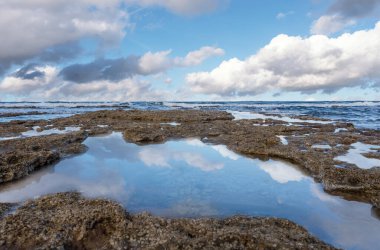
(188,178)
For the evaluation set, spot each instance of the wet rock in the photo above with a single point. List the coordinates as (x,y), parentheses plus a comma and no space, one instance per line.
(20,157)
(148,232)
(67,220)
(15,165)
(64,221)
(4,207)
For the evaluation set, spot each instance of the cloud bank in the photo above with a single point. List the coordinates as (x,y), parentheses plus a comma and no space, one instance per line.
(293,63)
(101,79)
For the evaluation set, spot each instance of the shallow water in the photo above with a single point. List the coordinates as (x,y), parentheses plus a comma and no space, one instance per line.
(188,178)
(355,155)
(34,132)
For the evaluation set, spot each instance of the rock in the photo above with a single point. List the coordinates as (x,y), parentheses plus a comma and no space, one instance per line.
(68,221)
(65,221)
(4,207)
(20,157)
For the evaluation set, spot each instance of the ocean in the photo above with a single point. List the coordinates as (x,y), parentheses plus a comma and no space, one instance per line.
(363,114)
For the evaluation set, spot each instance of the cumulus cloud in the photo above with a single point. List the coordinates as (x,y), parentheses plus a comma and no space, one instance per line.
(331,24)
(153,63)
(183,7)
(101,79)
(28,79)
(49,86)
(292,63)
(29,28)
(342,14)
(198,56)
(148,64)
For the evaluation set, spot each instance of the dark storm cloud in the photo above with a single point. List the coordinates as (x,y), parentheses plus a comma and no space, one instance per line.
(102,69)
(354,8)
(29,72)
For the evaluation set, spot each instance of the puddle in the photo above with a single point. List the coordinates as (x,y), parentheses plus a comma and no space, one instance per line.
(189,178)
(239,115)
(283,139)
(321,146)
(354,156)
(35,132)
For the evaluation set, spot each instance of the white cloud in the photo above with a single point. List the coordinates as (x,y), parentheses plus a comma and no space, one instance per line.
(92,82)
(198,56)
(292,63)
(330,24)
(52,87)
(29,27)
(16,85)
(153,63)
(182,7)
(283,15)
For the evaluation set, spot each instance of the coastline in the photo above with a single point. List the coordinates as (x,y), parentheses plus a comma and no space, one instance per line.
(253,138)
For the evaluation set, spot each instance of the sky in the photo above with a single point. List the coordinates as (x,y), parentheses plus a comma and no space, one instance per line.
(189,50)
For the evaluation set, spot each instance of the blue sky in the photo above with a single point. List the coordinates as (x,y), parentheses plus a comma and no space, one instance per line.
(125,50)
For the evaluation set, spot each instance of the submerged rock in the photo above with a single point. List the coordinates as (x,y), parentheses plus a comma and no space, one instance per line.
(68,221)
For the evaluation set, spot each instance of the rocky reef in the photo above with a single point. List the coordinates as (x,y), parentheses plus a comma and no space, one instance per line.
(254,138)
(68,221)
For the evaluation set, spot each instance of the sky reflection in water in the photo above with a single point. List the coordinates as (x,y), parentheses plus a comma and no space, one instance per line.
(189,178)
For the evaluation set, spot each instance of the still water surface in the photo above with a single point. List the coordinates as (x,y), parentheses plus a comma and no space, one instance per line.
(189,178)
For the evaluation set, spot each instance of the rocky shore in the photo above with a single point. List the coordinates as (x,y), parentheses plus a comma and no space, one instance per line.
(254,138)
(68,221)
